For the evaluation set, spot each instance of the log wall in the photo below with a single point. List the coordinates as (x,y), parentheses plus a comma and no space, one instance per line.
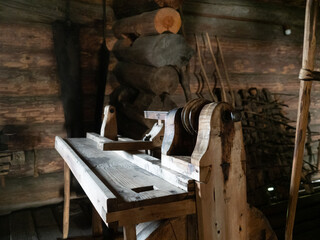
(257,52)
(31,110)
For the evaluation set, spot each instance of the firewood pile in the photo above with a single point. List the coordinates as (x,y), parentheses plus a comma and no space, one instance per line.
(150,55)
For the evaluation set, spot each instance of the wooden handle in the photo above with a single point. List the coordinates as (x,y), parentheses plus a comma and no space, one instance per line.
(309,47)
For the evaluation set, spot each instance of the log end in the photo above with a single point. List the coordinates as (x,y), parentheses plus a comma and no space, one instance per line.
(167,20)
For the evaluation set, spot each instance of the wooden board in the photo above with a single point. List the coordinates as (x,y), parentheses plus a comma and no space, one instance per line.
(22,227)
(101,197)
(153,165)
(132,185)
(45,223)
(20,193)
(106,144)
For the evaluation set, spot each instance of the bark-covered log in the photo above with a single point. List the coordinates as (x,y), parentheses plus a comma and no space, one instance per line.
(157,51)
(124,8)
(148,23)
(146,102)
(146,78)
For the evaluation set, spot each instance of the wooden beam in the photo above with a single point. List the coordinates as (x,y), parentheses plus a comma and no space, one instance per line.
(106,144)
(100,196)
(153,212)
(124,8)
(45,11)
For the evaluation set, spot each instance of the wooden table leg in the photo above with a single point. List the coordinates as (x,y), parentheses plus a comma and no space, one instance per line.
(129,232)
(97,230)
(66,207)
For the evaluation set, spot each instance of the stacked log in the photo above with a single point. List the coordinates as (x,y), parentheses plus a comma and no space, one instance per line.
(149,53)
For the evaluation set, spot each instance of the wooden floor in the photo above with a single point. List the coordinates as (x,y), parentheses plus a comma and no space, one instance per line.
(45,223)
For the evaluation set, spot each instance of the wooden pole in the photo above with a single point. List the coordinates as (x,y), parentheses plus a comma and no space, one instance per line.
(308,58)
(203,69)
(66,206)
(224,96)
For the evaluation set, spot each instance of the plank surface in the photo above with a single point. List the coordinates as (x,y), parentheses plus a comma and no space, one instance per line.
(100,195)
(29,192)
(45,223)
(129,183)
(4,228)
(22,227)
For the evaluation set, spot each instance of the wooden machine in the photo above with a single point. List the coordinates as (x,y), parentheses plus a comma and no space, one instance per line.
(197,190)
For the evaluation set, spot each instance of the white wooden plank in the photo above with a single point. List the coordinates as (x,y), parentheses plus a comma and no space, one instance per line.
(123,177)
(100,196)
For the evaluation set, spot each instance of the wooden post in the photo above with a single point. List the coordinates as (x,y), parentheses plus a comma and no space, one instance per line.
(129,232)
(221,189)
(97,229)
(66,207)
(308,58)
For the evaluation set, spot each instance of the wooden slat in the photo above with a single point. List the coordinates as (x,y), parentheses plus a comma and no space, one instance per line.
(47,12)
(156,115)
(153,165)
(45,223)
(30,192)
(26,110)
(107,144)
(153,212)
(101,197)
(22,227)
(124,178)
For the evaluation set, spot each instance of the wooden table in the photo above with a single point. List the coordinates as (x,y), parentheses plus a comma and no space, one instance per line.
(121,189)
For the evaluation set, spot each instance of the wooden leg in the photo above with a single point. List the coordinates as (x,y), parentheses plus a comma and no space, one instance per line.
(97,230)
(3,182)
(66,207)
(129,232)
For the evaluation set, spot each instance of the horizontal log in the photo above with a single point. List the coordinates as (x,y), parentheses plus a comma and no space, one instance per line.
(30,110)
(106,144)
(29,82)
(148,23)
(26,59)
(31,136)
(26,35)
(27,192)
(45,11)
(157,51)
(39,161)
(293,3)
(146,78)
(123,8)
(247,11)
(240,29)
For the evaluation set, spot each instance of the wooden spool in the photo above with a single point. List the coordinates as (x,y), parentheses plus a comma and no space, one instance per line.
(190,114)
